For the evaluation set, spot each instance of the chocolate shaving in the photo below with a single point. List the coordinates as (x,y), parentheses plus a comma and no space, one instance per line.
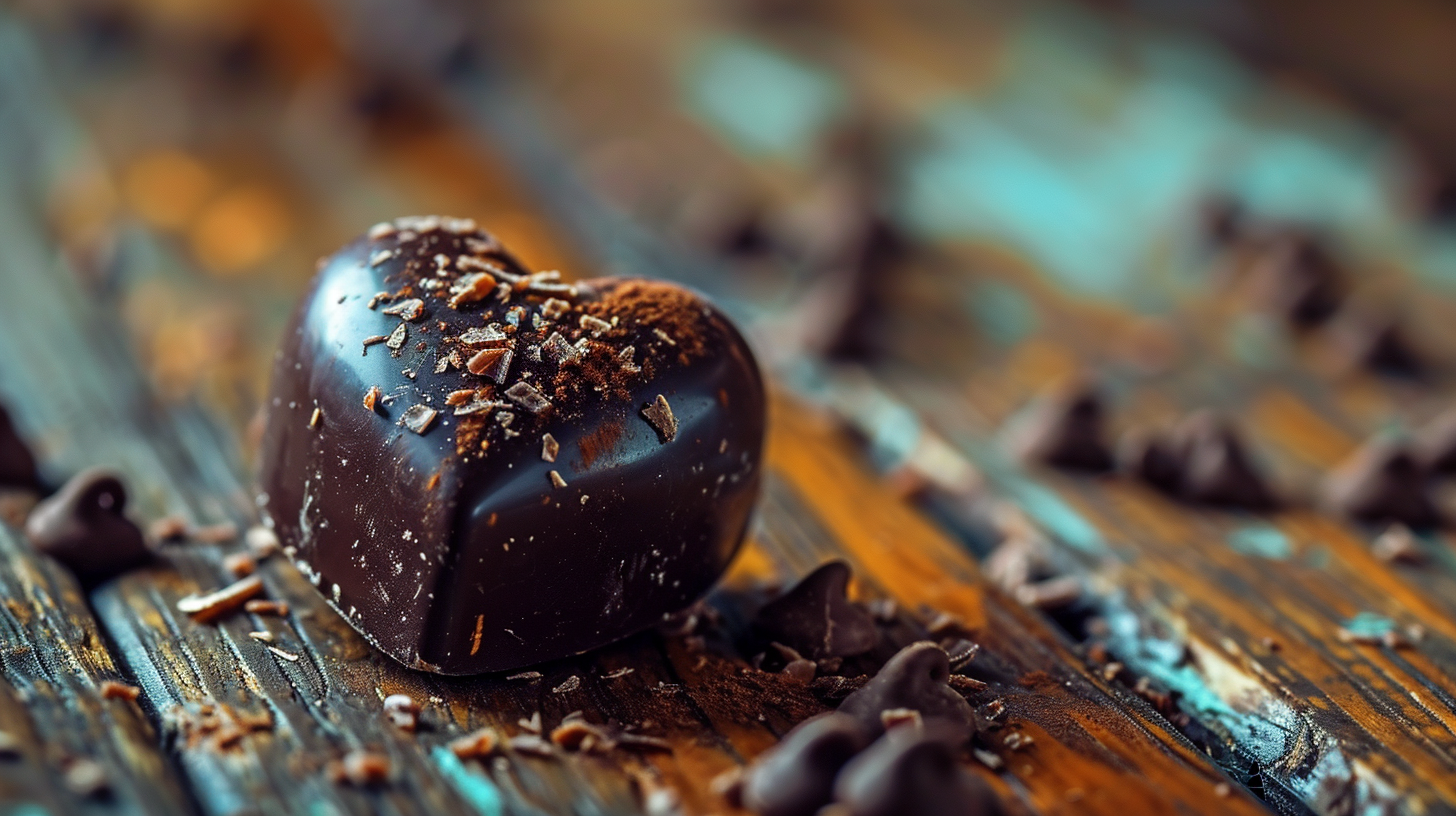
(396,339)
(371,397)
(494,363)
(559,350)
(528,396)
(411,309)
(549,447)
(484,334)
(659,414)
(208,608)
(471,288)
(418,417)
(556,480)
(595,325)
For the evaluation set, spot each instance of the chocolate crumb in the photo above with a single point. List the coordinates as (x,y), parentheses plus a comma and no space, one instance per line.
(411,309)
(259,606)
(371,397)
(525,675)
(213,605)
(528,397)
(362,769)
(556,480)
(659,414)
(418,417)
(492,362)
(240,565)
(471,288)
(289,656)
(475,744)
(375,339)
(549,447)
(396,339)
(571,683)
(112,690)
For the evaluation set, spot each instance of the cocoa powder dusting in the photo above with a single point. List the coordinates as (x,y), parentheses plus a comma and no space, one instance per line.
(601,440)
(675,312)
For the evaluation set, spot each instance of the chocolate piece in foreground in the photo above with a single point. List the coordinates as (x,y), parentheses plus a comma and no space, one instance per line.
(85,528)
(17,464)
(916,678)
(816,619)
(912,772)
(796,777)
(403,467)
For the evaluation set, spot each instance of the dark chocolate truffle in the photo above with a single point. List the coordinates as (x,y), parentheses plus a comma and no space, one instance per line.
(84,526)
(816,619)
(483,468)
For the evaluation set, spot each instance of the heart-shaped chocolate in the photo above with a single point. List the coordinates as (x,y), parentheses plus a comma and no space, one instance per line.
(482,468)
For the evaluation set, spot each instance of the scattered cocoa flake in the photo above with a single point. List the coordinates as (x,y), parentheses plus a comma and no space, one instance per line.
(289,656)
(460,397)
(471,288)
(396,339)
(380,297)
(255,721)
(220,533)
(475,744)
(643,742)
(86,778)
(492,362)
(380,257)
(571,683)
(525,675)
(262,636)
(417,418)
(467,262)
(402,711)
(987,758)
(259,606)
(533,725)
(530,744)
(554,308)
(626,361)
(800,670)
(659,414)
(383,229)
(559,350)
(239,565)
(528,397)
(226,738)
(549,447)
(112,690)
(371,397)
(664,337)
(434,481)
(214,605)
(374,339)
(580,735)
(168,528)
(361,768)
(595,325)
(556,480)
(479,335)
(893,717)
(961,682)
(477,405)
(316,418)
(1017,740)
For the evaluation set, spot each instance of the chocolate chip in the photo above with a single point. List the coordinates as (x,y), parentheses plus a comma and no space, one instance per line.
(917,678)
(796,777)
(1299,279)
(17,464)
(83,526)
(1381,482)
(912,772)
(816,619)
(1216,469)
(1371,338)
(1064,429)
(1149,456)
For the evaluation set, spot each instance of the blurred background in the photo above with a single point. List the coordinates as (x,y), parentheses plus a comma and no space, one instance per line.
(930,207)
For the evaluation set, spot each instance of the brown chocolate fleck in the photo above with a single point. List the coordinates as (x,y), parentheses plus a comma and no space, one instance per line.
(549,447)
(659,414)
(396,339)
(418,417)
(475,744)
(259,606)
(214,605)
(112,690)
(411,309)
(371,397)
(361,769)
(556,480)
(471,288)
(528,397)
(492,362)
(240,565)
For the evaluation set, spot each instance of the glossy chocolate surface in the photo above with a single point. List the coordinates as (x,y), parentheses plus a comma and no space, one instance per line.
(433,520)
